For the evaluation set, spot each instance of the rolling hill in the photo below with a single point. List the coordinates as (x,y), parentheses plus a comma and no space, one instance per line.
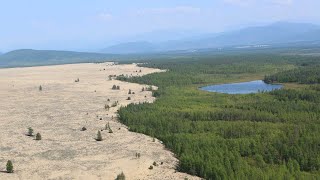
(29,57)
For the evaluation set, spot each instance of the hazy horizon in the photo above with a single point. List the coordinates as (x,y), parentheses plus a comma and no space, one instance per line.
(92,25)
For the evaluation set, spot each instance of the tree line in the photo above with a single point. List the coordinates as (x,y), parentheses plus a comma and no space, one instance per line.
(271,135)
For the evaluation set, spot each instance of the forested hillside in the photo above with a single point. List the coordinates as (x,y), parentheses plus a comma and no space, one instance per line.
(272,135)
(305,75)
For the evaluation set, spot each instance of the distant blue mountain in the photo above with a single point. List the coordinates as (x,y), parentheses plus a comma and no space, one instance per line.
(130,47)
(274,34)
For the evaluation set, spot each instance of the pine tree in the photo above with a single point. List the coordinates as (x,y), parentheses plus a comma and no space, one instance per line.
(121,176)
(38,137)
(99,137)
(129,91)
(9,167)
(106,107)
(30,131)
(40,88)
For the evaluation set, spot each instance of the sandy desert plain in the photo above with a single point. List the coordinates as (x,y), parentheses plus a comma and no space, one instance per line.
(59,112)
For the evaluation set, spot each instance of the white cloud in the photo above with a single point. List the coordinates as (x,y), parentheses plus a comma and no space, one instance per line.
(105,16)
(282,2)
(259,2)
(171,10)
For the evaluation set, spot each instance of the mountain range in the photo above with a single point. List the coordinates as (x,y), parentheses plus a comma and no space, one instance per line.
(284,34)
(269,35)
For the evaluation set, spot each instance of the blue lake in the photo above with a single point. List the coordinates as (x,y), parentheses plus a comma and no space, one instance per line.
(242,88)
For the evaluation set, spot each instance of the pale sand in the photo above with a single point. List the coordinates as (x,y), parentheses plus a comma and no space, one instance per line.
(60,110)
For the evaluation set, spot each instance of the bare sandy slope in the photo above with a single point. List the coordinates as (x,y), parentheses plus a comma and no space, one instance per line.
(60,110)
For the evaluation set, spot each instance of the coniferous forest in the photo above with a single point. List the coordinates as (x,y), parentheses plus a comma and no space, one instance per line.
(268,135)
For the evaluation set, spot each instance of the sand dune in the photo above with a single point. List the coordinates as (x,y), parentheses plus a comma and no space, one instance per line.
(60,110)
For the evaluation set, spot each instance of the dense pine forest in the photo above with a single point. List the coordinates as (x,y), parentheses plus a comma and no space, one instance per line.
(273,135)
(304,75)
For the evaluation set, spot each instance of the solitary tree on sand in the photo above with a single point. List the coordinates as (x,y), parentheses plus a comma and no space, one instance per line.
(30,131)
(99,137)
(38,137)
(9,167)
(121,176)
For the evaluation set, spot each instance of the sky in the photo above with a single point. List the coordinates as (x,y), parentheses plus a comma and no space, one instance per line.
(95,24)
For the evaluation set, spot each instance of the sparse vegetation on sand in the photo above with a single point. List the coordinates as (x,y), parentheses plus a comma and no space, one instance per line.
(60,114)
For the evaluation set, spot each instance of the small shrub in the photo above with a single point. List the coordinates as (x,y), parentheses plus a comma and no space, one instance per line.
(155,164)
(83,129)
(118,87)
(99,137)
(40,88)
(142,89)
(151,167)
(121,176)
(38,137)
(114,104)
(9,167)
(155,94)
(149,88)
(30,131)
(110,130)
(129,98)
(129,91)
(114,87)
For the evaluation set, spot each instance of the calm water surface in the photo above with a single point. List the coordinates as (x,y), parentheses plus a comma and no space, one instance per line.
(242,88)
